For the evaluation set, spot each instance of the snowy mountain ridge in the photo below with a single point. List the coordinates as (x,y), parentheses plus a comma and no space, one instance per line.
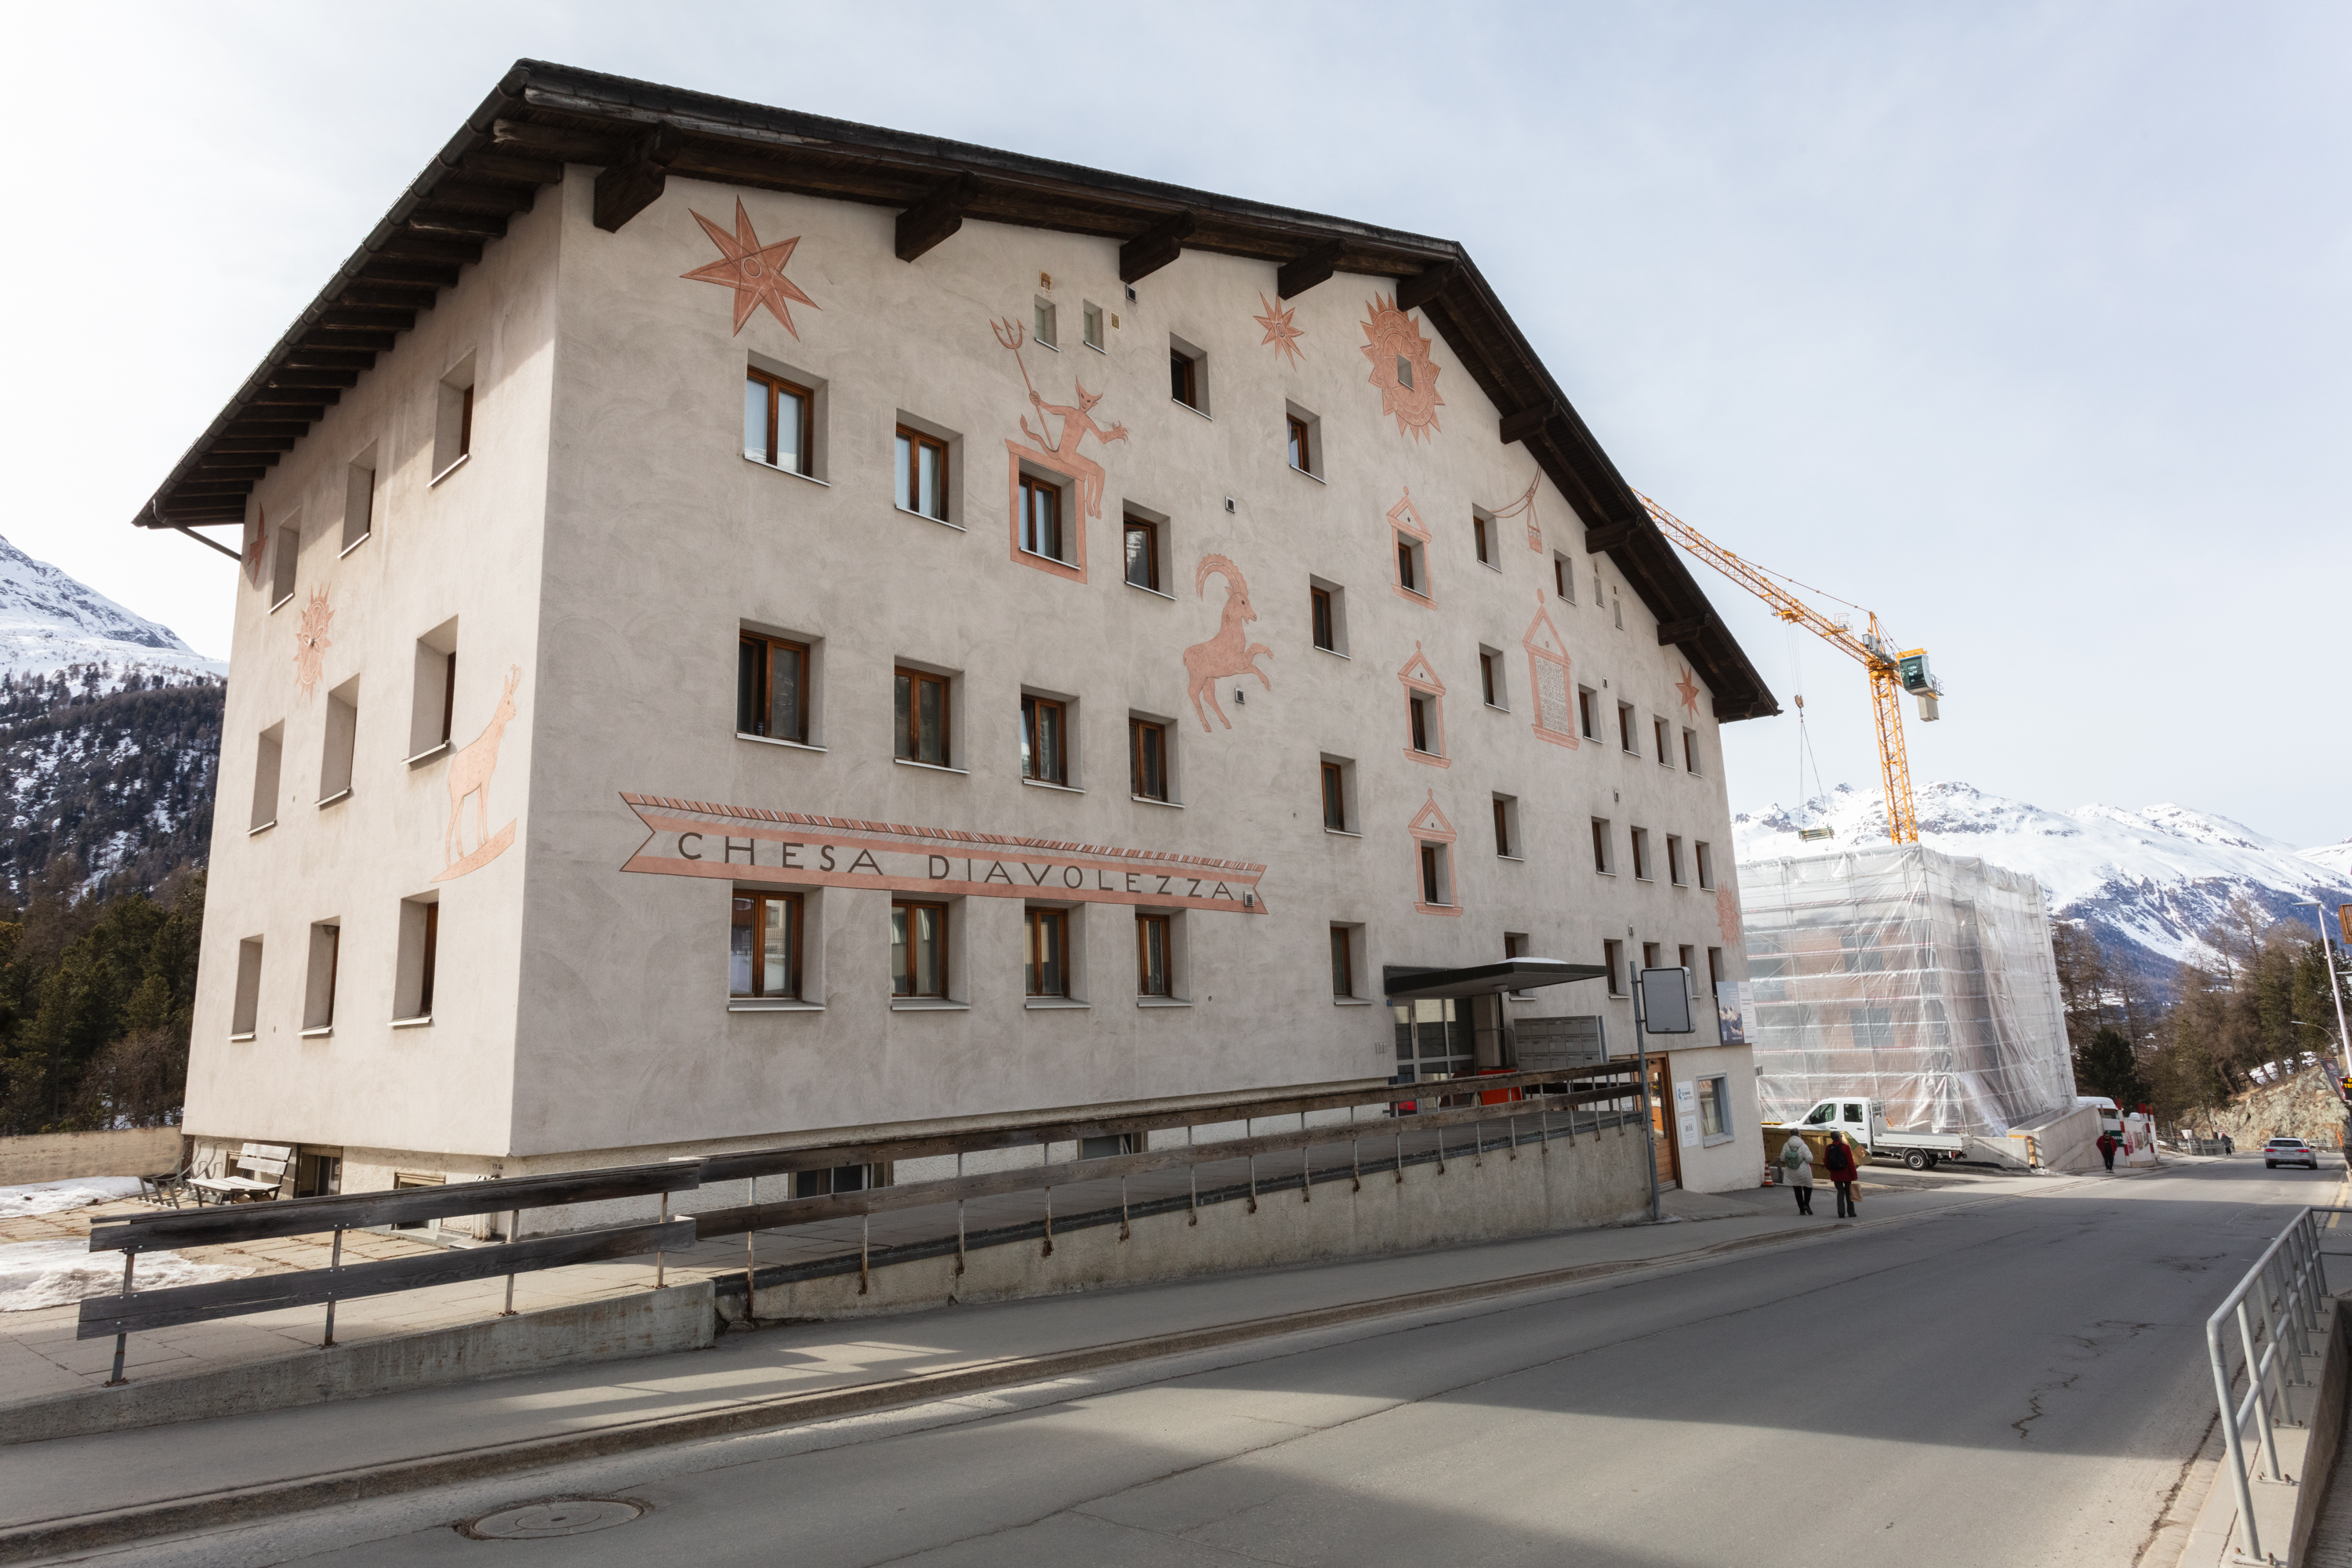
(51,624)
(2148,882)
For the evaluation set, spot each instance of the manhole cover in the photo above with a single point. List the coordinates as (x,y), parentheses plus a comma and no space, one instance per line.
(560,1516)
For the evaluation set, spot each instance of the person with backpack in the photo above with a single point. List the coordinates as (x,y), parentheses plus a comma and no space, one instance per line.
(1838,1158)
(1797,1170)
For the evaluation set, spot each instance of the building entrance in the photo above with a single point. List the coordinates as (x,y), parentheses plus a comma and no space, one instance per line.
(1664,1147)
(1433,1039)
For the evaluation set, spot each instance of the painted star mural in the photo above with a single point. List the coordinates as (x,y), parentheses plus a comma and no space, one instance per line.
(310,644)
(1278,329)
(1402,368)
(1689,688)
(755,271)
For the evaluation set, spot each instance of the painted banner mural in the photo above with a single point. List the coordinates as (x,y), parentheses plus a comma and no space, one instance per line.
(750,845)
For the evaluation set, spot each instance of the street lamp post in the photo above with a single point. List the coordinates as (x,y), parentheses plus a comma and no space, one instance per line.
(2335,987)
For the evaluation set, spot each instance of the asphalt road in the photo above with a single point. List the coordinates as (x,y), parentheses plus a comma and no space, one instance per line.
(2020,1381)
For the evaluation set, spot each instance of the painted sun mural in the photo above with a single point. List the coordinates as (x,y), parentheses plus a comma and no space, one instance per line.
(755,271)
(1279,332)
(310,644)
(1402,368)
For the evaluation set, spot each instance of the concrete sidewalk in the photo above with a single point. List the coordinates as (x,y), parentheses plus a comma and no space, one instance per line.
(180,1476)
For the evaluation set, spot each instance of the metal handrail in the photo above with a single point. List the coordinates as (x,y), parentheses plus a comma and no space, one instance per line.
(2285,1287)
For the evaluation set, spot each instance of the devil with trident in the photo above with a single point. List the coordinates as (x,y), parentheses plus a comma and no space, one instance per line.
(1076,425)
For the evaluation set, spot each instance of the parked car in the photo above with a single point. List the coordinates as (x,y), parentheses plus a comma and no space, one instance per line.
(2289,1151)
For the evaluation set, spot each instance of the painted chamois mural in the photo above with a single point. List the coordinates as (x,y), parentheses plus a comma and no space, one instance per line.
(1230,652)
(469,775)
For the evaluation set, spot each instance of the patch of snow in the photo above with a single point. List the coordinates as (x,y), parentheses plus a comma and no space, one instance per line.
(54,1198)
(36,1274)
(49,624)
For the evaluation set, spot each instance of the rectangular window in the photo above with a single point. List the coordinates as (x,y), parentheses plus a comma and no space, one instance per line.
(1563,579)
(918,949)
(1409,567)
(1319,607)
(1343,963)
(1479,529)
(1506,826)
(453,426)
(1045,319)
(1043,740)
(1625,730)
(267,754)
(763,952)
(342,741)
(1487,662)
(1714,969)
(1714,1108)
(1613,954)
(358,500)
(1649,955)
(1673,860)
(1046,967)
(1090,324)
(1434,870)
(840,1179)
(922,718)
(433,695)
(1690,751)
(1687,956)
(1335,797)
(1705,858)
(1041,518)
(1425,725)
(1143,553)
(417,959)
(1602,859)
(1148,759)
(319,994)
(1662,733)
(922,474)
(1588,723)
(1640,854)
(245,1006)
(1151,961)
(1183,378)
(778,421)
(1300,448)
(771,681)
(286,562)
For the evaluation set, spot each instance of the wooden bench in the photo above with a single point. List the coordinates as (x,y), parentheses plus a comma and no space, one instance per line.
(264,1165)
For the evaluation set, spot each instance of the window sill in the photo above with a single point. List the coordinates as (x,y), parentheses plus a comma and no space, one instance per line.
(1707,887)
(420,758)
(457,463)
(932,767)
(1161,1002)
(1633,754)
(260,827)
(422,1022)
(1513,859)
(1148,800)
(1605,874)
(354,544)
(1490,566)
(1041,784)
(281,604)
(342,794)
(1041,555)
(1720,1138)
(321,1033)
(771,1005)
(241,1039)
(1097,348)
(1353,1002)
(779,741)
(1308,474)
(910,512)
(1153,592)
(780,468)
(927,1005)
(1684,885)
(1639,878)
(1044,344)
(1334,652)
(1341,833)
(1189,408)
(1055,1005)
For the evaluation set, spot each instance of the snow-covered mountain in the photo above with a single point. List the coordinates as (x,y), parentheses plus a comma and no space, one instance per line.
(2148,882)
(51,625)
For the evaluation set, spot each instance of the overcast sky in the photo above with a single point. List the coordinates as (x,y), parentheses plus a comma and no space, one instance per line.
(2025,325)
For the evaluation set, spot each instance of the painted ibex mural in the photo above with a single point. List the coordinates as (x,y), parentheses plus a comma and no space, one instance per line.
(469,775)
(1230,652)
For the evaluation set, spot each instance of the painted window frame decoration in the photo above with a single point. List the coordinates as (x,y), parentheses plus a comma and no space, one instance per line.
(1551,680)
(1430,829)
(1405,522)
(1420,678)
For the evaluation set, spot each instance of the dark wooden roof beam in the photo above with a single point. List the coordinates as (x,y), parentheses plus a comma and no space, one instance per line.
(286,378)
(295,402)
(414,245)
(1302,272)
(267,428)
(529,140)
(1426,285)
(1610,535)
(253,444)
(332,337)
(324,357)
(937,216)
(628,187)
(470,196)
(439,222)
(398,269)
(1687,629)
(509,168)
(1529,422)
(1156,246)
(240,468)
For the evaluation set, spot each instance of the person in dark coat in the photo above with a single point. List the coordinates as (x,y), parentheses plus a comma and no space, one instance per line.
(2108,1147)
(1838,1159)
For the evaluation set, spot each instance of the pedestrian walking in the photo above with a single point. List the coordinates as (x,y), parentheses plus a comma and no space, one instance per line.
(1797,1170)
(2108,1147)
(1839,1158)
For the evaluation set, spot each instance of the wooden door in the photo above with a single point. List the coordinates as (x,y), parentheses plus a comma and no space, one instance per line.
(1665,1147)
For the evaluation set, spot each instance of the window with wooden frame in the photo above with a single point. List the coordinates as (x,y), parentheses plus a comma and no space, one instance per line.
(1690,751)
(1335,797)
(1044,743)
(1046,324)
(1626,736)
(1147,748)
(464,421)
(1588,720)
(772,682)
(1490,676)
(1506,835)
(1343,963)
(1041,518)
(1183,378)
(763,950)
(922,717)
(1674,859)
(1436,880)
(1704,857)
(1046,965)
(918,949)
(1515,945)
(922,474)
(778,421)
(1613,957)
(1142,552)
(1409,574)
(1642,867)
(1151,955)
(1562,581)
(1090,325)
(1302,451)
(1479,531)
(1423,710)
(1662,733)
(1603,860)
(429,958)
(1326,630)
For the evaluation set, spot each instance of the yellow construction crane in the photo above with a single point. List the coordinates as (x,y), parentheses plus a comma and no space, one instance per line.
(1888,669)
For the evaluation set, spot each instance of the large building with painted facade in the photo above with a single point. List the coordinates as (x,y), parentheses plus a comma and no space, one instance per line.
(751,625)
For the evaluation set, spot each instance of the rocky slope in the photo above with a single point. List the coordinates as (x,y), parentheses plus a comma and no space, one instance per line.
(2303,1106)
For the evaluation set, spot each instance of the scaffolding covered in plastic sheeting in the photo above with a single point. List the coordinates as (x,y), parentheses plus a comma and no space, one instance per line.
(1921,980)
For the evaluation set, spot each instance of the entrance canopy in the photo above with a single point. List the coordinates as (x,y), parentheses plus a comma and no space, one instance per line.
(1411,983)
